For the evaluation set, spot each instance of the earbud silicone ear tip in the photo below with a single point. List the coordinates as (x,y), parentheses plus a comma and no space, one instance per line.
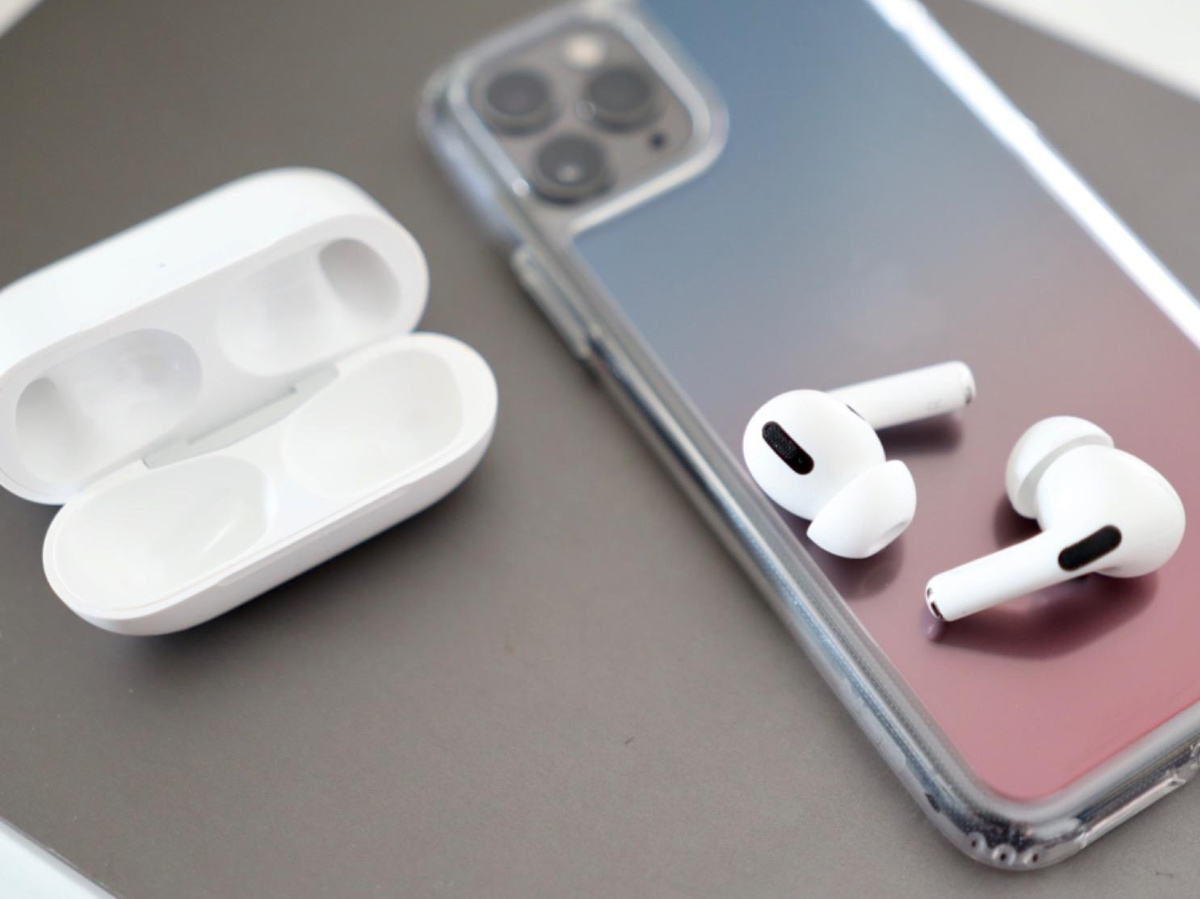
(868,513)
(1037,448)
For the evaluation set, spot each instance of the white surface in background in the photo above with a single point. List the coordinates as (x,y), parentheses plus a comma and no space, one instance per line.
(11,10)
(1157,38)
(29,872)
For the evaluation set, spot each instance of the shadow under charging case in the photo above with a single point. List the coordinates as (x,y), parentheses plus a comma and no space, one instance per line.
(229,394)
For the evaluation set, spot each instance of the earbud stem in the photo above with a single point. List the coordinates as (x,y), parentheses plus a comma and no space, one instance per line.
(910,396)
(1017,570)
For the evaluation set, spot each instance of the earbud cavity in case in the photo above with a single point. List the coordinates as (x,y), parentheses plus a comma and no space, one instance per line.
(229,394)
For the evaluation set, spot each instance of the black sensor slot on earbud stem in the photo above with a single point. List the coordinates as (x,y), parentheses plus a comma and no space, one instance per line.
(1090,548)
(786,448)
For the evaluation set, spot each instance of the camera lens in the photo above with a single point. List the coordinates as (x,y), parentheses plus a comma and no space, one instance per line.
(570,168)
(622,98)
(518,101)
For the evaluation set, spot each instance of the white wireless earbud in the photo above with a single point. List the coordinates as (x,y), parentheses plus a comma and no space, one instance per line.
(1100,509)
(818,456)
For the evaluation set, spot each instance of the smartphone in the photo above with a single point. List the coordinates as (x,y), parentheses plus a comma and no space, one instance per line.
(716,202)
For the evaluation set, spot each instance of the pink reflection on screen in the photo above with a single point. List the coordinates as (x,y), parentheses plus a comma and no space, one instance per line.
(1038,691)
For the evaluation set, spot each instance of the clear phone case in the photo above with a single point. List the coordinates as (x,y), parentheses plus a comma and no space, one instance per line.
(543,248)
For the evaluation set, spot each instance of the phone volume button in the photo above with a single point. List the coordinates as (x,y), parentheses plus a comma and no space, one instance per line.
(552,301)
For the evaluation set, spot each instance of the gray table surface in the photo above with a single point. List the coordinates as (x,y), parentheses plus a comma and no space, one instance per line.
(553,683)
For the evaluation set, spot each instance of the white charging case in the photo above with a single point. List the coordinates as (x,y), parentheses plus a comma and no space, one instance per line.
(229,394)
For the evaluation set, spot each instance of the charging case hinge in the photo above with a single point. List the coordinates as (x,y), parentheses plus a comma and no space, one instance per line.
(240,428)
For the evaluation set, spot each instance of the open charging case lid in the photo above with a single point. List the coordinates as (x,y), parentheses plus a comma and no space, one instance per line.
(226,385)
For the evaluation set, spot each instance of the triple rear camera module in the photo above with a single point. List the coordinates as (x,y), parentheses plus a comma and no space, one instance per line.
(578,111)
